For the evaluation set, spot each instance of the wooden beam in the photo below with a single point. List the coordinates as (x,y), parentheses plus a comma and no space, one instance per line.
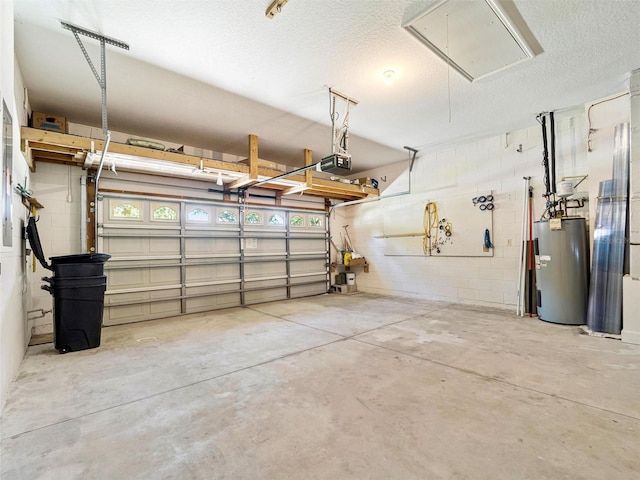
(53,157)
(253,157)
(47,147)
(55,138)
(308,160)
(26,151)
(295,189)
(330,192)
(241,182)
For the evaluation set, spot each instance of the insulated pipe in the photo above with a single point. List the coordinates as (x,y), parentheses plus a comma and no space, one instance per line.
(552,128)
(96,180)
(545,156)
(532,287)
(104,152)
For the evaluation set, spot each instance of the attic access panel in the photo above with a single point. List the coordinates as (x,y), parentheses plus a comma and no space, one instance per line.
(476,38)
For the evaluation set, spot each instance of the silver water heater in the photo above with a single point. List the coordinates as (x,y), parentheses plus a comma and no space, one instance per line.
(562,270)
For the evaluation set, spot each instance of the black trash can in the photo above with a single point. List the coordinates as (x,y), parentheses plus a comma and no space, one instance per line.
(77,285)
(78,306)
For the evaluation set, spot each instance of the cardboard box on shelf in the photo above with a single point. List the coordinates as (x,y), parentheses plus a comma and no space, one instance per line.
(46,121)
(357,262)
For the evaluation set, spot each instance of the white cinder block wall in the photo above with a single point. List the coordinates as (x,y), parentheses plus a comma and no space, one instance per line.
(493,164)
(13,281)
(57,188)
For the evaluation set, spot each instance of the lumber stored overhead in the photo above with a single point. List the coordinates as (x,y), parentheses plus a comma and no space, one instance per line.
(54,147)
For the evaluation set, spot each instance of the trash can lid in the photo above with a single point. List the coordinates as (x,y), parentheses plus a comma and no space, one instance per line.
(34,241)
(36,247)
(81,258)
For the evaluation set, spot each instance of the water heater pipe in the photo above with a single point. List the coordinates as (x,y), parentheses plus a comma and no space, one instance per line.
(552,127)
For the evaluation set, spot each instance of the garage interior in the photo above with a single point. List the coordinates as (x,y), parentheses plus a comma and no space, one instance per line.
(368,239)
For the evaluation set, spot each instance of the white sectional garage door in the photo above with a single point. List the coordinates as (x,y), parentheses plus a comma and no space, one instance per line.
(173,257)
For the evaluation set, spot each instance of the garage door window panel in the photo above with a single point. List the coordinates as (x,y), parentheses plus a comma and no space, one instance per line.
(166,213)
(125,210)
(199,215)
(227,216)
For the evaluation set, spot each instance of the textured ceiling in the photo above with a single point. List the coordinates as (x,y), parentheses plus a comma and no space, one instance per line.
(207,73)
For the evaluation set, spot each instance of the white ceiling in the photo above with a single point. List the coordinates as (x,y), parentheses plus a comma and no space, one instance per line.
(207,73)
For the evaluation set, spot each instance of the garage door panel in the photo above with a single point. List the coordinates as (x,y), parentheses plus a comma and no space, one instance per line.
(203,273)
(256,246)
(124,314)
(168,309)
(129,314)
(305,266)
(307,290)
(211,245)
(164,276)
(270,295)
(163,245)
(128,247)
(204,304)
(264,269)
(199,290)
(140,277)
(129,278)
(121,247)
(308,245)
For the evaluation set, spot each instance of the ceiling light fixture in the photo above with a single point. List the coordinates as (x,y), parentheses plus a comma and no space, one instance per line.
(389,76)
(476,38)
(147,165)
(183,170)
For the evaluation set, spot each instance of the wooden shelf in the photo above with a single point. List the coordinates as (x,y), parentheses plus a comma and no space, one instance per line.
(348,268)
(31,203)
(54,147)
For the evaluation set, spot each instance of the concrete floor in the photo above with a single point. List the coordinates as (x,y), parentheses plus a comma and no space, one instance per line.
(329,387)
